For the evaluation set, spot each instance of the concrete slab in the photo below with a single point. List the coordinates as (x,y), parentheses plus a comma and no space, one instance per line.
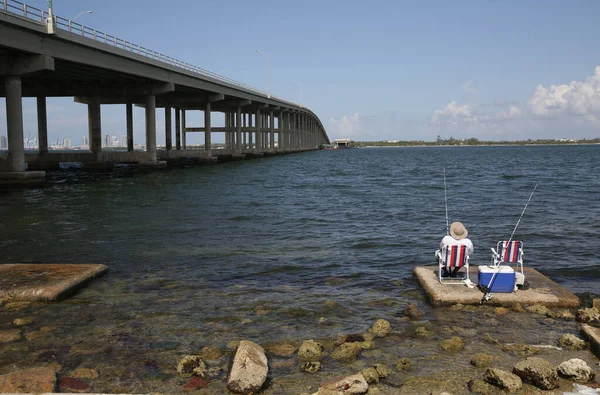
(542,291)
(44,282)
(592,335)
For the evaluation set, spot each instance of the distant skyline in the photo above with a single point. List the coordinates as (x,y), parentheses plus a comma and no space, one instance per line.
(370,70)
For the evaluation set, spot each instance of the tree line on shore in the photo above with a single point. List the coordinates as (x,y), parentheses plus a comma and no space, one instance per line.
(471,141)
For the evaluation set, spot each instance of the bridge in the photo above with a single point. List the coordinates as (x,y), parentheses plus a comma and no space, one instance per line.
(43,55)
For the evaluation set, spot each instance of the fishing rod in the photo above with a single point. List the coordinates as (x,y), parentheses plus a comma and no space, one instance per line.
(446,203)
(487,295)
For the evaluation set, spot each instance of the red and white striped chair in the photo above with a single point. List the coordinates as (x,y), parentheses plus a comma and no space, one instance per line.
(508,252)
(450,257)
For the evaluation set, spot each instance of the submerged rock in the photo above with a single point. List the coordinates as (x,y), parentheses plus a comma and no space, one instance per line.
(311,367)
(412,311)
(482,360)
(572,342)
(371,376)
(11,335)
(36,380)
(381,328)
(488,338)
(404,364)
(194,384)
(501,310)
(85,373)
(72,384)
(346,352)
(310,351)
(454,344)
(211,353)
(354,384)
(282,349)
(577,370)
(382,370)
(477,386)
(588,315)
(249,368)
(540,310)
(423,332)
(191,364)
(23,321)
(538,372)
(564,314)
(503,379)
(520,350)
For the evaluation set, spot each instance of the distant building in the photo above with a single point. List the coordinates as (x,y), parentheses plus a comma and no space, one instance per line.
(114,141)
(3,142)
(84,141)
(123,141)
(67,143)
(107,140)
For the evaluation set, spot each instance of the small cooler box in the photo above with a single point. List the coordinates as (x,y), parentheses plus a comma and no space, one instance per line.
(504,280)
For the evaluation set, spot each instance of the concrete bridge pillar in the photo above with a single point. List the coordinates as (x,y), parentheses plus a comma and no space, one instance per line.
(250,134)
(244,126)
(207,132)
(151,127)
(272,133)
(42,125)
(129,116)
(14,117)
(258,131)
(238,130)
(168,132)
(183,131)
(94,128)
(177,128)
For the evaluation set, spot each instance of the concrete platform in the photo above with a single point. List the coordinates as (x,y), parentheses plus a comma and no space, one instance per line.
(44,282)
(542,291)
(592,335)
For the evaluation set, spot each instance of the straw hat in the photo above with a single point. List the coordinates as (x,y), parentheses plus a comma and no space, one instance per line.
(458,230)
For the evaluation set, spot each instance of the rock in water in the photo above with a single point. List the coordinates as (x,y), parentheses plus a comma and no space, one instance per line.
(538,372)
(576,369)
(249,368)
(36,380)
(354,384)
(503,379)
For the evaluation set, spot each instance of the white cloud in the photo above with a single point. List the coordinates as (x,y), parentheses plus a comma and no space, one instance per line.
(469,87)
(346,127)
(580,98)
(454,113)
(568,110)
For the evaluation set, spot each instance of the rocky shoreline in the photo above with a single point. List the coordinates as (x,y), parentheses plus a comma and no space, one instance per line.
(303,366)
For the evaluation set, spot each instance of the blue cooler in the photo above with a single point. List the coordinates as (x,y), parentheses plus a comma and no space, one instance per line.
(504,280)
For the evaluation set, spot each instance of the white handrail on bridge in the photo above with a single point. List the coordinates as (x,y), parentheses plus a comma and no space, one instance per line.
(37,15)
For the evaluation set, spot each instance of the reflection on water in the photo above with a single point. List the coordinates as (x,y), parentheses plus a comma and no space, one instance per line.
(290,248)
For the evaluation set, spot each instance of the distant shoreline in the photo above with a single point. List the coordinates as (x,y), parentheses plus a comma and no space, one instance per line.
(471,145)
(468,143)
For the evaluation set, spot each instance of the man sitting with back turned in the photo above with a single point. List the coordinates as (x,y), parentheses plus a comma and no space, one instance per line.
(458,236)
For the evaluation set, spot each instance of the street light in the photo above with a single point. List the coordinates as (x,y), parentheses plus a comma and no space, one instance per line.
(269,64)
(299,83)
(77,16)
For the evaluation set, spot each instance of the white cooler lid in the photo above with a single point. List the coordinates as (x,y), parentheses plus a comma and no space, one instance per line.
(499,269)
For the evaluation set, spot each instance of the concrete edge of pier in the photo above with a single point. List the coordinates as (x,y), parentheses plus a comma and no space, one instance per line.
(592,335)
(26,282)
(542,291)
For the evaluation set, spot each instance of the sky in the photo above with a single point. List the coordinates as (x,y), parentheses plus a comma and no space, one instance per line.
(371,70)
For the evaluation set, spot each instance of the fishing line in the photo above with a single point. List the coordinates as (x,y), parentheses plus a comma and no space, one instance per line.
(486,295)
(446,203)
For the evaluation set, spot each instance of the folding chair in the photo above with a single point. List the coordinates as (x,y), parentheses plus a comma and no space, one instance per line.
(507,253)
(450,257)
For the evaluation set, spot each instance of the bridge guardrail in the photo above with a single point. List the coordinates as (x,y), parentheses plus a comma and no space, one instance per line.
(40,16)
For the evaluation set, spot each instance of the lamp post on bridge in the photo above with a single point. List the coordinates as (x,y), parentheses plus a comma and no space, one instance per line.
(77,16)
(269,66)
(299,83)
(50,25)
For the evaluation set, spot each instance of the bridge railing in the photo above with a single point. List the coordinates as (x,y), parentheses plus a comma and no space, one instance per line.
(40,16)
